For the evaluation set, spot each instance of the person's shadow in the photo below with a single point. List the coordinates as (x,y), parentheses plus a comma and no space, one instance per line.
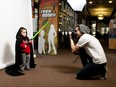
(12,71)
(8,57)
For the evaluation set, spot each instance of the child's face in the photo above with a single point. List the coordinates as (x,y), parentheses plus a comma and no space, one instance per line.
(24,33)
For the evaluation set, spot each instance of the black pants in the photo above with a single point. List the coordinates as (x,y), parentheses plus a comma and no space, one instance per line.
(89,68)
(85,58)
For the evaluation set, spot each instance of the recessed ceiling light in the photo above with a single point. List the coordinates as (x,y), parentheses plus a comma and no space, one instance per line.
(110,1)
(90,2)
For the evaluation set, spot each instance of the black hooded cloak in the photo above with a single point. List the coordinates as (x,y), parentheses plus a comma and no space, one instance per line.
(19,39)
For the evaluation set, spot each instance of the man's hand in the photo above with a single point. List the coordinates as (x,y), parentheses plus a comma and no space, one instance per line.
(70,34)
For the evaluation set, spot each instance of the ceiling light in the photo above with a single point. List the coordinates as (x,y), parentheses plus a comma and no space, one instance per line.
(90,2)
(36,0)
(60,4)
(110,1)
(100,16)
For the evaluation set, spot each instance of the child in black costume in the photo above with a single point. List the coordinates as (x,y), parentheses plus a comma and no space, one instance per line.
(23,51)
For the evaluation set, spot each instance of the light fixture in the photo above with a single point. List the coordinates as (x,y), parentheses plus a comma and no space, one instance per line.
(100,16)
(90,2)
(60,4)
(36,0)
(110,1)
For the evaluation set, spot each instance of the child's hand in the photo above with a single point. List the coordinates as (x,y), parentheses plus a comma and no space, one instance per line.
(30,41)
(70,35)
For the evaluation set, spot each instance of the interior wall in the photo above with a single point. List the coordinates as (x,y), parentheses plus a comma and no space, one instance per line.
(13,15)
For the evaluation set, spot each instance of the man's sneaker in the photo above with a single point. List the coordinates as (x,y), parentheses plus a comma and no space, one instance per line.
(105,75)
(27,69)
(103,78)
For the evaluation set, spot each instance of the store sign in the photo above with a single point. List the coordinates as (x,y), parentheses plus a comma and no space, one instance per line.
(48,13)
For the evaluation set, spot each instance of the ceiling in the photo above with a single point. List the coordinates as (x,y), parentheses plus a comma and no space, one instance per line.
(91,11)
